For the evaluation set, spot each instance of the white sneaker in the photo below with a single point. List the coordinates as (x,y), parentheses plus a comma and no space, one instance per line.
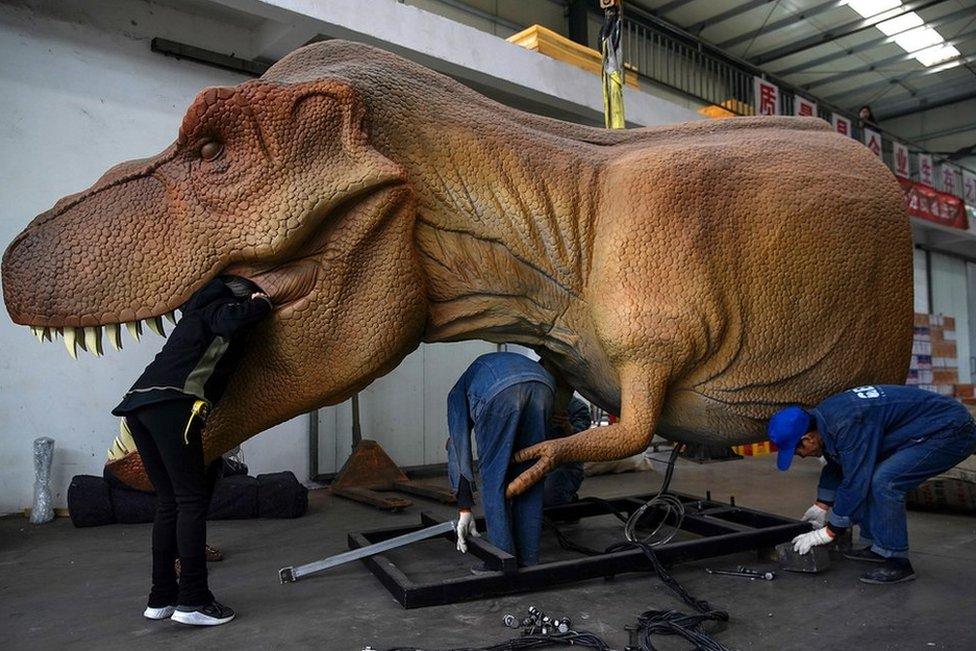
(159,613)
(213,614)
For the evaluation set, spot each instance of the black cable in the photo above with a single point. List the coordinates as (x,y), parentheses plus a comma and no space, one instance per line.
(572,638)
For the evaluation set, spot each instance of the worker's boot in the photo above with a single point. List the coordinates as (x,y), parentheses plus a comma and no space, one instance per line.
(865,555)
(894,570)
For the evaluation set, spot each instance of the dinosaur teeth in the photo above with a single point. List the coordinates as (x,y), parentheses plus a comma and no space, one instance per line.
(114,333)
(93,340)
(171,316)
(155,324)
(135,329)
(37,332)
(46,335)
(69,342)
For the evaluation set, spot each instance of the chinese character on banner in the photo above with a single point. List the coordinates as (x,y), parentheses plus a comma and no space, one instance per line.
(925,169)
(842,125)
(872,139)
(804,107)
(767,97)
(969,188)
(949,179)
(901,159)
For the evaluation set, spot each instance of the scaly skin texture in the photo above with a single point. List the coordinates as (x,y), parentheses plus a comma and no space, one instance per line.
(692,278)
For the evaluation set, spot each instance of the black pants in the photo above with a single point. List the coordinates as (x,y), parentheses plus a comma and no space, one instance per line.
(183,489)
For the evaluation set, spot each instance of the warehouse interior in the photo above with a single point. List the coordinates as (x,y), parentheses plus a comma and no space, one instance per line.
(89,85)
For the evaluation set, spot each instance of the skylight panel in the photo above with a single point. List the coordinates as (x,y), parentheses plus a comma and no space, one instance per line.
(900,24)
(918,38)
(868,8)
(938,54)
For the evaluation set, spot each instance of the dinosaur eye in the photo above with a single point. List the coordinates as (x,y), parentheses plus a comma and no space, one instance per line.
(211,150)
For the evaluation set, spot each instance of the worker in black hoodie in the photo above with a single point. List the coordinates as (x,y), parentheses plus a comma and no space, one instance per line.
(165,410)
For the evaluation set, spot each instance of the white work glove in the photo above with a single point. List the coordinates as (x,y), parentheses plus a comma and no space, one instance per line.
(464,529)
(816,515)
(803,543)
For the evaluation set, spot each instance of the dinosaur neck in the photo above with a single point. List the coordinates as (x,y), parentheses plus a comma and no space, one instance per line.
(503,224)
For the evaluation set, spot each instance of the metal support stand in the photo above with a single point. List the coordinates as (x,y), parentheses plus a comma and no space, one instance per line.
(721,529)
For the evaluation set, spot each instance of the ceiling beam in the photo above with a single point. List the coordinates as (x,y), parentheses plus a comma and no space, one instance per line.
(696,28)
(847,29)
(904,56)
(923,106)
(873,43)
(668,7)
(781,23)
(915,74)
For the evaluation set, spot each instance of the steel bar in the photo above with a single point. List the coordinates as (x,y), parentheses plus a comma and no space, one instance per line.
(293,573)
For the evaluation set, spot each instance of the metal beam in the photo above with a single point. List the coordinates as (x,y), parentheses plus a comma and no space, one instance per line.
(847,29)
(783,22)
(904,56)
(915,74)
(873,43)
(726,15)
(671,6)
(922,106)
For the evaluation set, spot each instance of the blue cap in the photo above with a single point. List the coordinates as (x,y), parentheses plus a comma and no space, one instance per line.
(786,428)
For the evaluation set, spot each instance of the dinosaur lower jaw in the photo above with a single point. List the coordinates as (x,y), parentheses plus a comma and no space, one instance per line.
(287,284)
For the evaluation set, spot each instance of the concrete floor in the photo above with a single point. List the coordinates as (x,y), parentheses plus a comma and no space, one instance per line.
(62,587)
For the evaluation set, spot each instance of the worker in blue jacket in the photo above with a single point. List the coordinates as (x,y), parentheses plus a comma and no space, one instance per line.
(879,442)
(506,398)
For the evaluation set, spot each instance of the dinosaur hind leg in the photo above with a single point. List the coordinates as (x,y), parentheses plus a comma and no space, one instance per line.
(642,395)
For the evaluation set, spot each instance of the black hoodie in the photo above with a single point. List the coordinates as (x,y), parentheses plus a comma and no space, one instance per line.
(201,352)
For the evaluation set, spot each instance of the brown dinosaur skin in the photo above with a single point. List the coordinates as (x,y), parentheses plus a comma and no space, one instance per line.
(692,278)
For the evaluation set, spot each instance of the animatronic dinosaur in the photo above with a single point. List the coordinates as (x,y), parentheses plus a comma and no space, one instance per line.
(692,278)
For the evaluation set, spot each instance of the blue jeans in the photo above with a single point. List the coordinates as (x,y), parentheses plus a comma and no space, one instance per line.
(514,419)
(883,523)
(562,484)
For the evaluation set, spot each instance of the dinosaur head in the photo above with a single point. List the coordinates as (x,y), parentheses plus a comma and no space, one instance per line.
(274,182)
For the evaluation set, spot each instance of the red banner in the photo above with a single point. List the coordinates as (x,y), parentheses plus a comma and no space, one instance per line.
(928,203)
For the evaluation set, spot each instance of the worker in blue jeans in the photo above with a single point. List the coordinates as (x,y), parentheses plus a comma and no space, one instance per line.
(506,398)
(563,482)
(880,442)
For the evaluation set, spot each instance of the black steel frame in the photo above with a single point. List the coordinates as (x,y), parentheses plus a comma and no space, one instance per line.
(725,529)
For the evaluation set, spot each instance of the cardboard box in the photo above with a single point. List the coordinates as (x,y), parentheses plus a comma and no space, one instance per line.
(921,319)
(920,362)
(944,349)
(945,376)
(921,347)
(965,391)
(944,389)
(922,333)
(949,322)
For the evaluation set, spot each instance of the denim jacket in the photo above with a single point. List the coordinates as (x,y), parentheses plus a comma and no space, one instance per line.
(483,380)
(862,426)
